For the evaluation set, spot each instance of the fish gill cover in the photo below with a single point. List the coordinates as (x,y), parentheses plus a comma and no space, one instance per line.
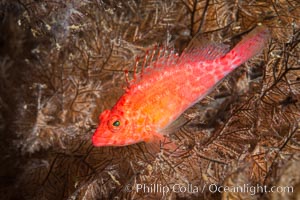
(62,63)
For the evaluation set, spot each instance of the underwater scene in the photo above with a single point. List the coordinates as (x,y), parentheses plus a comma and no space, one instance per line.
(149,99)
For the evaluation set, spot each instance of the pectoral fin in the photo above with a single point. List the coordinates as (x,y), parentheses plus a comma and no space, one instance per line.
(163,143)
(174,126)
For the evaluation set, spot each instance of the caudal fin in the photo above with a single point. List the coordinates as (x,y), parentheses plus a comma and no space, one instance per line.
(250,46)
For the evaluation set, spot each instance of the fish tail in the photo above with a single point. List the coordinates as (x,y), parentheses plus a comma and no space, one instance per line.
(250,46)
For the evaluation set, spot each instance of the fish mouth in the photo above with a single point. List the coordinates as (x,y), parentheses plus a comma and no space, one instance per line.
(102,138)
(100,142)
(105,141)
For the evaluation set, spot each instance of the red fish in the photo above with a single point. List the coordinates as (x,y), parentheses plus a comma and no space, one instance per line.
(151,104)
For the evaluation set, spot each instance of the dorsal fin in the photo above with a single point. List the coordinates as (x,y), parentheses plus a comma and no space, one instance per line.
(204,51)
(165,57)
(204,48)
(160,57)
(152,60)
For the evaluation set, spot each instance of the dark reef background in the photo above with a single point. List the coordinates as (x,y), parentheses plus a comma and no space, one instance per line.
(63,62)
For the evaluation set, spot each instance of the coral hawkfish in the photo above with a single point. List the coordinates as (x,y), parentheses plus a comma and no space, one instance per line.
(166,89)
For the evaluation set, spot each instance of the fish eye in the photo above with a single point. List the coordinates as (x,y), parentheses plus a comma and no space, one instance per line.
(116,123)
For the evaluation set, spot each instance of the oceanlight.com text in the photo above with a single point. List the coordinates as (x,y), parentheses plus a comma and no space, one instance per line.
(213,188)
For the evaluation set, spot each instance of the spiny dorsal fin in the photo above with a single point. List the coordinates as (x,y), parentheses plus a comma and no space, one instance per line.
(160,57)
(152,60)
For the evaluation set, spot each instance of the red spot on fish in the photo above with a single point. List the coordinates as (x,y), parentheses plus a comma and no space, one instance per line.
(236,61)
(224,62)
(219,74)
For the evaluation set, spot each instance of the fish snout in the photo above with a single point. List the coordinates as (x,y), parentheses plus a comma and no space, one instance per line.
(100,141)
(102,137)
